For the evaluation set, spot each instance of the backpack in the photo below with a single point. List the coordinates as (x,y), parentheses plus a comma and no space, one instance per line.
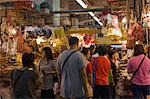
(14,82)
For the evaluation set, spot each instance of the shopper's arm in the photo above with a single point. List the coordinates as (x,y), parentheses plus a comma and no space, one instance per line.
(89,73)
(84,78)
(59,71)
(37,79)
(90,77)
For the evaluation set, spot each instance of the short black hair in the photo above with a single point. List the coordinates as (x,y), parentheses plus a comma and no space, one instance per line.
(85,50)
(73,41)
(101,50)
(92,47)
(28,59)
(111,53)
(138,50)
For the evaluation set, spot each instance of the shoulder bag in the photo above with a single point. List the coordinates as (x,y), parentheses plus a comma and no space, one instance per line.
(67,59)
(137,69)
(65,63)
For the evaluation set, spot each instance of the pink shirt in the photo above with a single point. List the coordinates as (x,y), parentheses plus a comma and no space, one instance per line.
(142,77)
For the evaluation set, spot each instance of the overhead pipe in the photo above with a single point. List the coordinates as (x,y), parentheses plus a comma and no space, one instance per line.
(83,10)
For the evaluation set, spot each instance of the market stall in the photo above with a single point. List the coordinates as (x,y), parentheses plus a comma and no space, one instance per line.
(86,36)
(18,39)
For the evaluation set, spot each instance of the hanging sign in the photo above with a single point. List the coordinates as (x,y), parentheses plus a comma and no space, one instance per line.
(24,4)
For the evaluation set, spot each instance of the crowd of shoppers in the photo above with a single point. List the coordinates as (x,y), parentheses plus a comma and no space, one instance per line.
(80,73)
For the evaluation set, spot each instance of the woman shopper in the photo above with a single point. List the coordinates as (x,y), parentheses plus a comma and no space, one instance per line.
(47,67)
(139,66)
(87,54)
(102,68)
(113,57)
(25,80)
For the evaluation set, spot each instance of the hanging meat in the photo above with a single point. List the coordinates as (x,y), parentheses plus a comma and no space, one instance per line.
(135,32)
(20,43)
(131,29)
(138,32)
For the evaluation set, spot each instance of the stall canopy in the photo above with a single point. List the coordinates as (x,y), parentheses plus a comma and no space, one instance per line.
(83,31)
(106,40)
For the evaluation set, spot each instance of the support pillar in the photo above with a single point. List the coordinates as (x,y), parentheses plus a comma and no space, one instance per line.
(65,18)
(128,11)
(56,17)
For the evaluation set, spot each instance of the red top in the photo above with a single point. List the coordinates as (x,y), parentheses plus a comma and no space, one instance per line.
(89,68)
(103,68)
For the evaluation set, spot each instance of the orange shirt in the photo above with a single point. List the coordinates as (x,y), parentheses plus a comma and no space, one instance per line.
(103,69)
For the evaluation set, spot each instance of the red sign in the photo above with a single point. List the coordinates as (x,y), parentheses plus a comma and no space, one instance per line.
(111,0)
(24,4)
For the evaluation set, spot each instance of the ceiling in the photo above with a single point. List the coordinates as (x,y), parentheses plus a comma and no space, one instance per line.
(118,7)
(97,3)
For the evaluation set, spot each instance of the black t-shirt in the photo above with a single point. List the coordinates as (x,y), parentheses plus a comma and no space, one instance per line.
(114,71)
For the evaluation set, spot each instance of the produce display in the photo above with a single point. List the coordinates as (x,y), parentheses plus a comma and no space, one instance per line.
(12,45)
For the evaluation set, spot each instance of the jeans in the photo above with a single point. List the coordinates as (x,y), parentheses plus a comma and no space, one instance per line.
(102,92)
(112,91)
(140,91)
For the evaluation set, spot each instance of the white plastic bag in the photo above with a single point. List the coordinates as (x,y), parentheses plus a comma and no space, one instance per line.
(56,88)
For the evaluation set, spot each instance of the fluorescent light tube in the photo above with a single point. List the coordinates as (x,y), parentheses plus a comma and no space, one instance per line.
(82,3)
(92,14)
(96,19)
(100,23)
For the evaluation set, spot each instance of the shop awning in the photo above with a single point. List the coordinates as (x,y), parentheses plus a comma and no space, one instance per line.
(106,40)
(83,31)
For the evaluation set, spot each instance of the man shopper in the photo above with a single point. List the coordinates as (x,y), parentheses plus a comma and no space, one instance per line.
(72,71)
(102,67)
